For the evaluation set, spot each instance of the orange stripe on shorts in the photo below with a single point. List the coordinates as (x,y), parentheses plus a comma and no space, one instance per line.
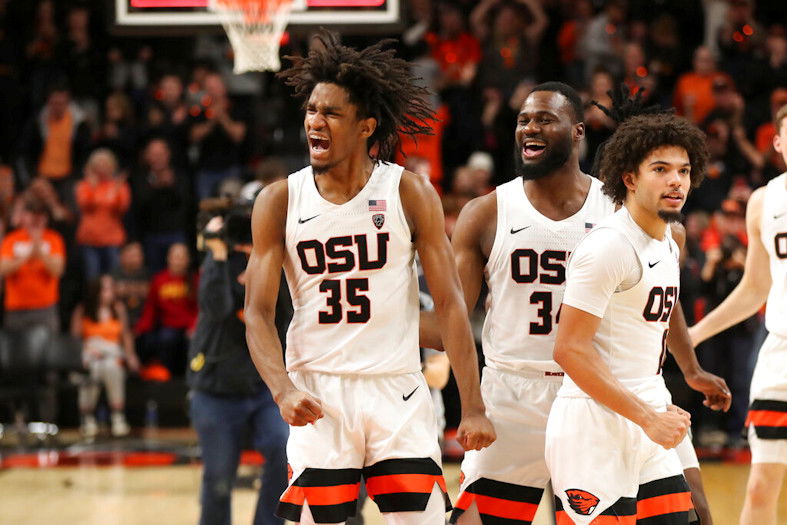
(665,504)
(393,483)
(503,508)
(767,418)
(331,495)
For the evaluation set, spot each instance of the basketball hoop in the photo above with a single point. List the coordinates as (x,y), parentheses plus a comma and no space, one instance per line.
(254,28)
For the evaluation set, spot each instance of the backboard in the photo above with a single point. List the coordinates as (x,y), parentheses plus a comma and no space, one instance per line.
(168,16)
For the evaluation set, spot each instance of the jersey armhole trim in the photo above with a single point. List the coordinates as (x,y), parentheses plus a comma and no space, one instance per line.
(497,244)
(293,190)
(401,215)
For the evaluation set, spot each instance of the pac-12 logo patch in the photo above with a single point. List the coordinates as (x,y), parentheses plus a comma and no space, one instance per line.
(378,219)
(582,501)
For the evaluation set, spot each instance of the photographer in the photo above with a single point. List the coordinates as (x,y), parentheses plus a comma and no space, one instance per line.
(229,401)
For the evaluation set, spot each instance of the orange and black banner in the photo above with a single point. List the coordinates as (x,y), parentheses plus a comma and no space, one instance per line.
(404,485)
(622,512)
(769,418)
(499,503)
(664,502)
(332,495)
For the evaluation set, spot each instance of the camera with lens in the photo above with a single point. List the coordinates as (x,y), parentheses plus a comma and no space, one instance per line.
(236,227)
(729,244)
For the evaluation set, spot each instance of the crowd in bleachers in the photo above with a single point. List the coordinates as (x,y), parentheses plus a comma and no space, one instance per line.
(109,145)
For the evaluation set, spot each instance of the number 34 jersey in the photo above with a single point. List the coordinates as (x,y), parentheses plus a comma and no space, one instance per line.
(526,276)
(351,272)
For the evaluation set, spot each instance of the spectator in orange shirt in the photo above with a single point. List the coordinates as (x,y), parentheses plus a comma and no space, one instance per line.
(103,198)
(55,140)
(101,322)
(454,48)
(31,261)
(694,96)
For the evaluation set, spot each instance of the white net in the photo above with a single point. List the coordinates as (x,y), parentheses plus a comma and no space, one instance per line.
(254,28)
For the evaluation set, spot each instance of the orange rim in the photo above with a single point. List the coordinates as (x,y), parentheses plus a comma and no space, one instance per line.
(254,11)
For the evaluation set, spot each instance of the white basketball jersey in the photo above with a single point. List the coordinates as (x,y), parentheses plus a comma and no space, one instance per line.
(773,232)
(526,274)
(632,336)
(351,272)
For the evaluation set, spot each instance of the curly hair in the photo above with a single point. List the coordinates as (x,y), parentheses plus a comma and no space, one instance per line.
(639,135)
(379,85)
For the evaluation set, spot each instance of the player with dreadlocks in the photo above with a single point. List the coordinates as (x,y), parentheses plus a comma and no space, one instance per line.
(346,229)
(616,322)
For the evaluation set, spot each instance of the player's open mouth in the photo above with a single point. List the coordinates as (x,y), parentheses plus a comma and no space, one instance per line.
(533,149)
(319,144)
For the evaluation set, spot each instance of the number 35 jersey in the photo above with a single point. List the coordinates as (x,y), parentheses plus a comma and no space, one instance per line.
(526,276)
(351,272)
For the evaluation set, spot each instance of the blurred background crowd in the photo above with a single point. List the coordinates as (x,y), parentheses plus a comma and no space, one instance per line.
(110,146)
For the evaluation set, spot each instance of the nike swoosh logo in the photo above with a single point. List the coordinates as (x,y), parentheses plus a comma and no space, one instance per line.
(780,215)
(520,229)
(651,265)
(301,221)
(408,396)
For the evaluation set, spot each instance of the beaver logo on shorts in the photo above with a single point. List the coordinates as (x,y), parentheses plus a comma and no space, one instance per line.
(582,501)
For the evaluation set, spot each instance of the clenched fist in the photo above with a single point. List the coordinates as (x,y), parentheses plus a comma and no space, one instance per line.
(299,408)
(668,428)
(475,432)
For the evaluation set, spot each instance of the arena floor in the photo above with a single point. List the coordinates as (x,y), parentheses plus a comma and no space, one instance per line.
(142,480)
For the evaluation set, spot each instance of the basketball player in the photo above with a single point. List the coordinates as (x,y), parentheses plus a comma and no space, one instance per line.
(346,229)
(518,238)
(610,429)
(764,278)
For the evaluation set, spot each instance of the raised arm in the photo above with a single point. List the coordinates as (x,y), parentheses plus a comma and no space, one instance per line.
(478,21)
(424,213)
(536,29)
(53,260)
(752,291)
(215,296)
